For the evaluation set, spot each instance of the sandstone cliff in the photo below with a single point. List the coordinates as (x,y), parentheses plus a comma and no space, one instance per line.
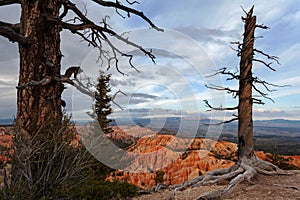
(160,158)
(172,160)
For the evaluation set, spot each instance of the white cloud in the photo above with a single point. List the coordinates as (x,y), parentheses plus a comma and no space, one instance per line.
(183,59)
(277,113)
(8,82)
(290,56)
(292,17)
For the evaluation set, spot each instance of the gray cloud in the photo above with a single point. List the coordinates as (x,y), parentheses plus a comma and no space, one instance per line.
(7,83)
(156,52)
(217,27)
(208,34)
(118,82)
(73,50)
(10,14)
(277,114)
(8,102)
(133,101)
(137,98)
(142,95)
(153,113)
(8,50)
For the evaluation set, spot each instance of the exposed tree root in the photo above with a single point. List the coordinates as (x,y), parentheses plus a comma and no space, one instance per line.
(244,170)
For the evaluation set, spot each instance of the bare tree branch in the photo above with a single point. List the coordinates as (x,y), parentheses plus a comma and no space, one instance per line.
(222,122)
(85,89)
(264,95)
(239,46)
(9,2)
(43,82)
(11,32)
(95,34)
(131,3)
(129,10)
(99,32)
(266,64)
(218,108)
(244,10)
(78,85)
(262,26)
(234,93)
(275,58)
(115,95)
(267,84)
(258,101)
(224,71)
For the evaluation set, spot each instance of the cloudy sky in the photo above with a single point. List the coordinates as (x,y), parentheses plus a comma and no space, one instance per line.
(196,41)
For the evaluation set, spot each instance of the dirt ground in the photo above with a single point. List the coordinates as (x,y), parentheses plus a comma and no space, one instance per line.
(265,188)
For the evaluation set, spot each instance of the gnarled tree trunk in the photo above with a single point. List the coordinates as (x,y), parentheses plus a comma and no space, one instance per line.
(39,59)
(245,121)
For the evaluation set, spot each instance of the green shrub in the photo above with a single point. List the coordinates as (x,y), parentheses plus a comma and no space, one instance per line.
(47,165)
(159,177)
(104,190)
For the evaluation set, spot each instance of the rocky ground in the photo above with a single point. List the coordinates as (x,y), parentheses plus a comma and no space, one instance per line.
(263,187)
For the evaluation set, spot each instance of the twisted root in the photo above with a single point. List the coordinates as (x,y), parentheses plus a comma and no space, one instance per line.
(244,170)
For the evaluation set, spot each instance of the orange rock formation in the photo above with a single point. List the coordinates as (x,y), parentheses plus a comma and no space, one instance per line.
(174,159)
(177,159)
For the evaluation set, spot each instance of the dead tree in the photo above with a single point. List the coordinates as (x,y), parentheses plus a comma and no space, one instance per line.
(38,37)
(41,82)
(248,165)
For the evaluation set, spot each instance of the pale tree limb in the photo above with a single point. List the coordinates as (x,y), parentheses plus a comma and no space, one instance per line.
(115,95)
(244,170)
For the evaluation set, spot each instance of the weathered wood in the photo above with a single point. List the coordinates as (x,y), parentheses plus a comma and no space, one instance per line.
(37,104)
(245,121)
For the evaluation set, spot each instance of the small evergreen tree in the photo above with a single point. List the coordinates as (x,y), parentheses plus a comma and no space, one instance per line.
(103,99)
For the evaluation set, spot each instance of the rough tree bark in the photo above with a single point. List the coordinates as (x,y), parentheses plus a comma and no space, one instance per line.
(37,104)
(245,121)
